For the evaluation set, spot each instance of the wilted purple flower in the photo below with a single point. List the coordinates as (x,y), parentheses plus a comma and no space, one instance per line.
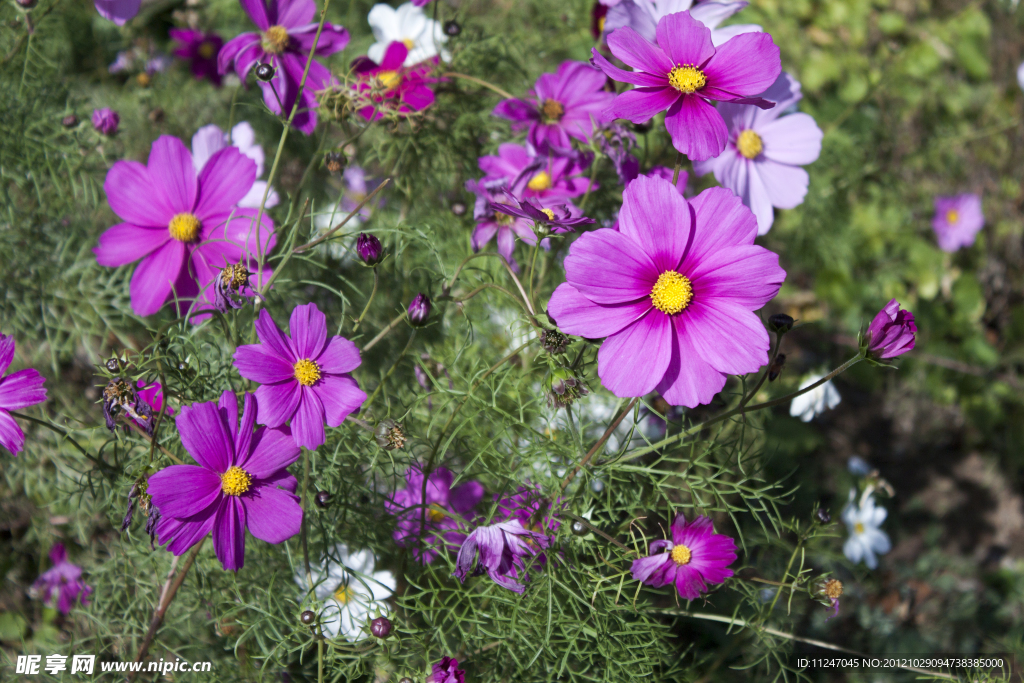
(491,223)
(17,390)
(105,121)
(695,557)
(233,285)
(447,670)
(532,509)
(957,221)
(369,249)
(120,397)
(60,586)
(447,510)
(891,333)
(616,141)
(118,11)
(153,394)
(499,549)
(201,49)
(562,105)
(562,218)
(419,310)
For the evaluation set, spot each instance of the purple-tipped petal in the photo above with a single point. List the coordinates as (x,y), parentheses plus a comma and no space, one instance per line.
(697,129)
(339,356)
(11,436)
(657,217)
(628,45)
(133,195)
(151,283)
(22,389)
(685,41)
(272,337)
(576,314)
(272,450)
(640,78)
(171,169)
(609,268)
(745,65)
(689,380)
(308,423)
(260,364)
(224,180)
(126,243)
(257,11)
(728,336)
(640,104)
(340,396)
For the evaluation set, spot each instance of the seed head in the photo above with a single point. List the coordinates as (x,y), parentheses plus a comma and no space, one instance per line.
(308,618)
(265,72)
(389,434)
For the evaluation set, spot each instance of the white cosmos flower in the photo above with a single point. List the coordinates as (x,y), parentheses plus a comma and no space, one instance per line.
(643,17)
(814,402)
(210,139)
(408,24)
(866,539)
(350,597)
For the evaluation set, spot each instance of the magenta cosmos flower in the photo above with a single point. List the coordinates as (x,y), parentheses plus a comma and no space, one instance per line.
(17,390)
(891,333)
(673,291)
(761,162)
(529,176)
(105,121)
(287,30)
(304,378)
(446,671)
(183,224)
(957,221)
(501,550)
(562,105)
(695,557)
(447,511)
(61,586)
(118,11)
(391,86)
(201,50)
(685,70)
(241,482)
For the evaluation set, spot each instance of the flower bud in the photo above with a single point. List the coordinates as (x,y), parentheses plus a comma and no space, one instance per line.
(157,115)
(369,249)
(553,342)
(323,499)
(265,72)
(419,310)
(566,388)
(776,369)
(389,434)
(380,627)
(452,28)
(334,161)
(823,516)
(405,679)
(780,323)
(308,618)
(891,333)
(578,528)
(26,4)
(458,208)
(113,365)
(105,121)
(69,121)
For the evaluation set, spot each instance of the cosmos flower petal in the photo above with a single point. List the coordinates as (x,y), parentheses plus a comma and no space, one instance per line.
(271,336)
(639,78)
(7,347)
(243,435)
(786,186)
(640,104)
(153,277)
(21,389)
(626,372)
(224,180)
(271,450)
(684,39)
(609,268)
(308,327)
(292,13)
(257,11)
(273,515)
(689,380)
(722,221)
(260,364)
(739,273)
(333,38)
(745,65)
(340,395)
(643,567)
(206,142)
(206,437)
(689,582)
(756,195)
(118,11)
(339,356)
(631,48)
(11,436)
(794,139)
(233,48)
(125,183)
(465,497)
(171,169)
(658,218)
(184,490)
(277,402)
(578,315)
(308,422)
(728,336)
(229,533)
(697,129)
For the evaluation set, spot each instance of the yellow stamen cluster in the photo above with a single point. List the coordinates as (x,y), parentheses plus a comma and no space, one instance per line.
(540,182)
(307,372)
(235,481)
(435,515)
(342,595)
(552,111)
(681,554)
(409,43)
(952,216)
(206,50)
(858,528)
(833,588)
(549,213)
(672,292)
(749,144)
(687,78)
(184,227)
(235,276)
(389,79)
(275,40)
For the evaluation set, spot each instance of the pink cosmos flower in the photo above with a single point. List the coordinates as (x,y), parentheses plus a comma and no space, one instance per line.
(118,11)
(695,557)
(957,221)
(397,88)
(183,224)
(60,586)
(201,49)
(529,176)
(891,333)
(305,378)
(673,291)
(685,70)
(17,390)
(761,163)
(643,17)
(448,510)
(562,105)
(287,30)
(240,483)
(491,222)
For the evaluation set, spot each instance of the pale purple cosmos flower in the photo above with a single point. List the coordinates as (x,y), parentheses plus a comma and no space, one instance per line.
(304,378)
(891,333)
(447,511)
(446,671)
(201,49)
(547,178)
(210,139)
(957,221)
(18,390)
(673,291)
(287,30)
(184,225)
(761,162)
(643,17)
(491,222)
(560,218)
(562,105)
(685,70)
(105,121)
(240,483)
(499,549)
(61,586)
(695,557)
(118,11)
(392,87)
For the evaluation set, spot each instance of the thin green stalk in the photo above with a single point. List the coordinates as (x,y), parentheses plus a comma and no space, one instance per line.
(590,185)
(373,292)
(52,428)
(679,165)
(600,442)
(383,333)
(391,370)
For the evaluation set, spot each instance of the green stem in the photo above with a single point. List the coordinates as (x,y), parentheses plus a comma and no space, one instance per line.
(383,333)
(52,428)
(390,371)
(373,292)
(479,81)
(679,165)
(590,185)
(767,369)
(600,442)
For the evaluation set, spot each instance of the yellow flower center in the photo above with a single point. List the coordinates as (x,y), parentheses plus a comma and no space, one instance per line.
(184,227)
(503,218)
(389,79)
(409,43)
(206,50)
(952,216)
(143,79)
(749,144)
(540,182)
(307,372)
(858,528)
(833,588)
(600,24)
(342,595)
(552,111)
(549,213)
(687,78)
(235,481)
(672,292)
(681,554)
(275,40)
(435,514)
